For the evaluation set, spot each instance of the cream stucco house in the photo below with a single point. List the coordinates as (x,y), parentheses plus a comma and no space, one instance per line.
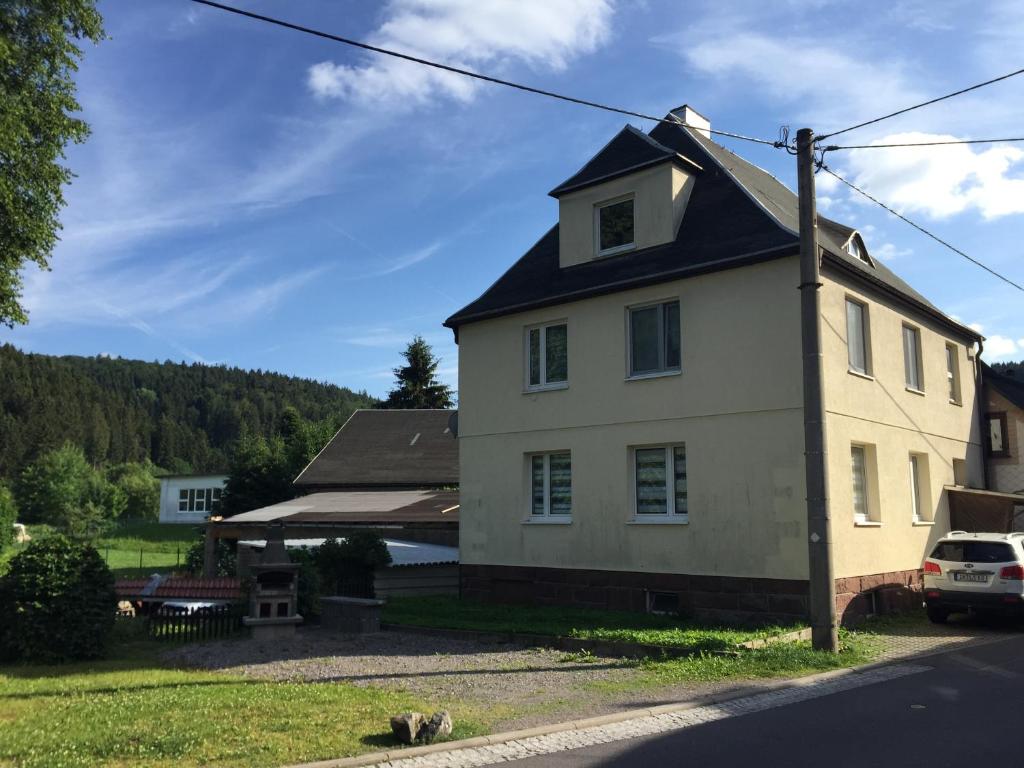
(631,406)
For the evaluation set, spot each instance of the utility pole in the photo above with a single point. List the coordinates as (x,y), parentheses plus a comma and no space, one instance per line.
(824,635)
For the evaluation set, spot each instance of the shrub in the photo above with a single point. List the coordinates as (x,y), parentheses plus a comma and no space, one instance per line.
(8,517)
(309,583)
(353,559)
(227,559)
(140,487)
(58,602)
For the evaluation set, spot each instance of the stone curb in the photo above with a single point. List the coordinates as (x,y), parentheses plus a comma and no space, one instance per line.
(590,722)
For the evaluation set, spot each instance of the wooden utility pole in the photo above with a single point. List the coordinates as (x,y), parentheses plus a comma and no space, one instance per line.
(824,635)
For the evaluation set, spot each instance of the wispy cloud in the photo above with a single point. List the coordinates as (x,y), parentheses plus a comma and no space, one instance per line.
(467,34)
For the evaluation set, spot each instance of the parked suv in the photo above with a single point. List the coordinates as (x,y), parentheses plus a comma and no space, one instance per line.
(969,572)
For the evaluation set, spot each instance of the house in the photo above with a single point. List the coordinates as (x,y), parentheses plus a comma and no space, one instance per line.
(395,472)
(190,498)
(1004,431)
(631,411)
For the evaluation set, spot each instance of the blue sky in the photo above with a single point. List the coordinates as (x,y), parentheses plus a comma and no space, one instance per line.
(257,197)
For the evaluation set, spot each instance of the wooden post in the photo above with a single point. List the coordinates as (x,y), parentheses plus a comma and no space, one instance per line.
(209,553)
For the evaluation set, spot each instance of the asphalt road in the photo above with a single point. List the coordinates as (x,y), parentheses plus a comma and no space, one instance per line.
(967,712)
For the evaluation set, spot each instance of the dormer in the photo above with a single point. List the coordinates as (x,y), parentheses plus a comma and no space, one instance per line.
(856,248)
(631,195)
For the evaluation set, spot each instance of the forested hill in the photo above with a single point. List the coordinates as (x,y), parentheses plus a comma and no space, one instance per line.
(183,417)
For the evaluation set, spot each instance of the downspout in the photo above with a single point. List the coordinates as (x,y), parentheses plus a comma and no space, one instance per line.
(979,393)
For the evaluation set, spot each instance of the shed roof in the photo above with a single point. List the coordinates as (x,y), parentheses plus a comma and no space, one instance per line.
(737,214)
(385,449)
(1009,387)
(402,552)
(359,508)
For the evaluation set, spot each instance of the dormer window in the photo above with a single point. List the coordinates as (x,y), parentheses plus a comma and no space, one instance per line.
(853,248)
(615,226)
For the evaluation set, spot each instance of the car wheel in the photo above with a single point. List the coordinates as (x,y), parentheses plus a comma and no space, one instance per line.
(937,615)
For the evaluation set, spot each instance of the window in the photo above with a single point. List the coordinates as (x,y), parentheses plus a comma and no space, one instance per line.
(659,476)
(853,248)
(915,488)
(912,358)
(550,484)
(997,442)
(974,552)
(547,356)
(857,336)
(654,346)
(614,225)
(860,483)
(199,499)
(953,373)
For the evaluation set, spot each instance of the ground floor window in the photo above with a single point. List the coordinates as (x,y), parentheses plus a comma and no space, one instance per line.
(659,477)
(551,484)
(199,499)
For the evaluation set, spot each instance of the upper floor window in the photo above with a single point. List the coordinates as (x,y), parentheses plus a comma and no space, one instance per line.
(857,336)
(547,356)
(953,373)
(550,484)
(615,226)
(853,248)
(997,439)
(659,477)
(912,358)
(654,339)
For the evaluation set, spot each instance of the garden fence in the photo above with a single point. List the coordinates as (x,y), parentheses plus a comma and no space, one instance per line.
(183,625)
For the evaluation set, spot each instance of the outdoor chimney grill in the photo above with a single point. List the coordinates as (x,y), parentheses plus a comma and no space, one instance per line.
(273,603)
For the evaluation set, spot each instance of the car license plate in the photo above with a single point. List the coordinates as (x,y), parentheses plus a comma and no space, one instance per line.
(975,577)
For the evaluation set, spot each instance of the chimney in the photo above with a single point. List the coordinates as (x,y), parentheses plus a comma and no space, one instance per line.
(692,117)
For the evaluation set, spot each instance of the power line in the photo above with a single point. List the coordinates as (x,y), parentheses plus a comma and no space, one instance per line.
(921,229)
(475,75)
(921,144)
(924,104)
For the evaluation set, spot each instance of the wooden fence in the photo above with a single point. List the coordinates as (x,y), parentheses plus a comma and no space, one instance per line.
(180,625)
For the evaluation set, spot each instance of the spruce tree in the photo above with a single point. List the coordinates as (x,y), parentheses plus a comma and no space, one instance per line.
(416,384)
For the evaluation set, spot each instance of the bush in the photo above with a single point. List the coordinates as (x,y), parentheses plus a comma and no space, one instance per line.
(227,559)
(352,559)
(309,583)
(140,487)
(8,517)
(58,602)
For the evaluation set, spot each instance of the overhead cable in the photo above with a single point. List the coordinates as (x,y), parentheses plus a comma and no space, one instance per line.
(469,73)
(922,104)
(921,229)
(831,147)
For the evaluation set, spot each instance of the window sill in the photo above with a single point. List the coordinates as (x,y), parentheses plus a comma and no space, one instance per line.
(676,520)
(615,251)
(546,387)
(957,403)
(860,375)
(867,523)
(547,520)
(922,523)
(655,375)
(913,391)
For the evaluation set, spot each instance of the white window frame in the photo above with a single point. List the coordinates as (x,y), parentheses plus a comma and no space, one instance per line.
(869,516)
(865,331)
(544,384)
(598,207)
(953,373)
(915,332)
(183,502)
(916,503)
(547,515)
(662,337)
(671,514)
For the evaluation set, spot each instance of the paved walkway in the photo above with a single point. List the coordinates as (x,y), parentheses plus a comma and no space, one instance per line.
(902,642)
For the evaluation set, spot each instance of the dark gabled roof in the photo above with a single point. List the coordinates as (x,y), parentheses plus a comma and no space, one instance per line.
(1010,388)
(737,214)
(387,449)
(629,151)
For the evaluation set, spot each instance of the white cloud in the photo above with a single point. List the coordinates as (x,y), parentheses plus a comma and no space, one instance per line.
(888,252)
(1000,347)
(941,181)
(467,34)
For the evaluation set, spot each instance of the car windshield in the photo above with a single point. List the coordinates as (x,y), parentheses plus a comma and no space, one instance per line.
(974,552)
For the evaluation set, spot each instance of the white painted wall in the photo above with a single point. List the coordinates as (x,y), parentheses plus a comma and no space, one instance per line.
(170,488)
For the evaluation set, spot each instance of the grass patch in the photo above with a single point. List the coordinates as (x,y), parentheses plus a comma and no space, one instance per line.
(133,711)
(583,623)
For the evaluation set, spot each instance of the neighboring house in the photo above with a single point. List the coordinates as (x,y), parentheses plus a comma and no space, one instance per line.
(190,498)
(1004,431)
(631,410)
(391,471)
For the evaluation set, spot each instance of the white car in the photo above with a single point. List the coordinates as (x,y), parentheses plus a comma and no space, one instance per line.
(974,572)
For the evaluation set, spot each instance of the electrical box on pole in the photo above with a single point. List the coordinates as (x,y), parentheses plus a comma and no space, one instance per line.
(821,578)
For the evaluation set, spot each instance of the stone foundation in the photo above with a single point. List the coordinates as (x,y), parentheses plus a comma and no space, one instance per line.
(719,598)
(859,596)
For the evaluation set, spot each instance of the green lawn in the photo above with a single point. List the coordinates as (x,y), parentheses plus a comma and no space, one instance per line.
(132,711)
(452,613)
